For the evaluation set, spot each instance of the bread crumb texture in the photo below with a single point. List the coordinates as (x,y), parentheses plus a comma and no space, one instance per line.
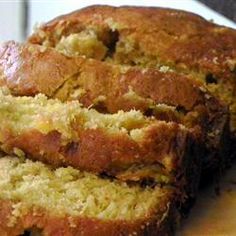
(24,113)
(66,191)
(84,43)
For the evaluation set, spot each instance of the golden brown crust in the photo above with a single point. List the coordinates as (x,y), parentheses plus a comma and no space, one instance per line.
(163,143)
(22,65)
(160,222)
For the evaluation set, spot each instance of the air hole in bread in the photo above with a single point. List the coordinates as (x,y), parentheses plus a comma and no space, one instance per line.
(101,107)
(32,232)
(164,112)
(111,44)
(210,79)
(150,182)
(104,175)
(72,148)
(149,112)
(181,109)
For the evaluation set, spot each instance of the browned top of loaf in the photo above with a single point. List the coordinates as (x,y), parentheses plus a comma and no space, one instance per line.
(175,37)
(27,70)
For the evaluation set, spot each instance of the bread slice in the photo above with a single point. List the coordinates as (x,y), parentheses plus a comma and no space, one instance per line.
(125,145)
(109,88)
(153,37)
(39,199)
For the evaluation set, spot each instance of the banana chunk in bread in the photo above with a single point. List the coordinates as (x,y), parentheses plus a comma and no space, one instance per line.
(109,88)
(121,145)
(156,37)
(65,201)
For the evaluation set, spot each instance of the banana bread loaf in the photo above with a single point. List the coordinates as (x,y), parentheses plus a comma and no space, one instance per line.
(137,97)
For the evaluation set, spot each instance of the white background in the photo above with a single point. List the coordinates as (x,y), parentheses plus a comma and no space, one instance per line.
(11,20)
(41,11)
(11,14)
